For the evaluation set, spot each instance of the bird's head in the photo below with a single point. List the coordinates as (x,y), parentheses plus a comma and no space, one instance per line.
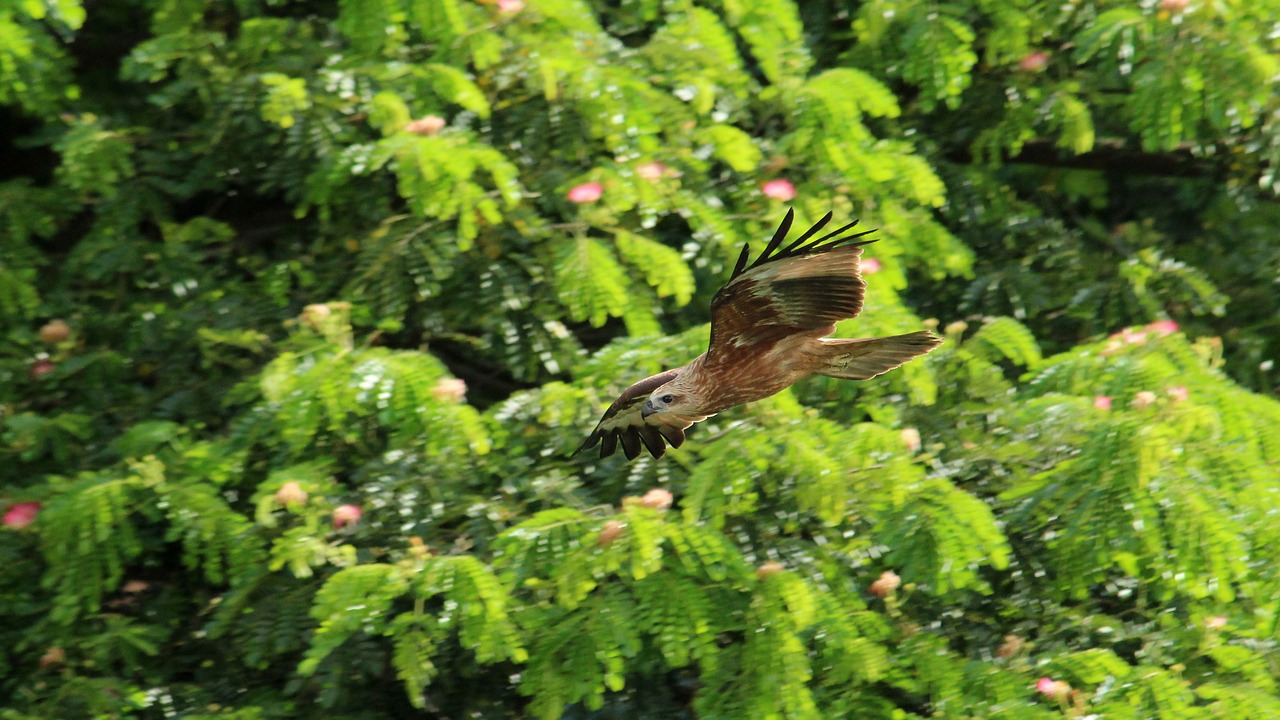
(664,399)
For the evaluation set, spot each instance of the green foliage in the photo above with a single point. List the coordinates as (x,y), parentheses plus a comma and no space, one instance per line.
(590,282)
(959,535)
(286,99)
(303,319)
(369,588)
(1134,487)
(90,540)
(34,69)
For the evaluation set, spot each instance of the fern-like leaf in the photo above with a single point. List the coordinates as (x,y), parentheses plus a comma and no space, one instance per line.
(356,599)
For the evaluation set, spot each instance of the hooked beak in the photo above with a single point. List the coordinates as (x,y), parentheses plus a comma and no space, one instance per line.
(648,409)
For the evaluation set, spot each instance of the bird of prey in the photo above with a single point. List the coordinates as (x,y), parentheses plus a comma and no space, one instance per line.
(769,328)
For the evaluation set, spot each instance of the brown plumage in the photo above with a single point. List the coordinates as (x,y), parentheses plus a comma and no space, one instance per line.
(769,328)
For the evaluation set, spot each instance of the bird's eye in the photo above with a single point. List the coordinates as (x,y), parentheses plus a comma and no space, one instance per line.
(666,399)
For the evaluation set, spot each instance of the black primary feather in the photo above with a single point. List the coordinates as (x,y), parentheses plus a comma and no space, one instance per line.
(779,235)
(812,231)
(801,246)
(742,261)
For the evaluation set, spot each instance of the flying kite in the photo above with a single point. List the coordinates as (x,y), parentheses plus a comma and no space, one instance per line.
(769,328)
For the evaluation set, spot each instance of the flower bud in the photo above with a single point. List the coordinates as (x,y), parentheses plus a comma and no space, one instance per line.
(886,584)
(657,498)
(450,390)
(418,548)
(55,331)
(315,313)
(769,569)
(1144,400)
(1050,688)
(345,515)
(427,125)
(609,533)
(1011,646)
(40,368)
(654,171)
(291,493)
(53,656)
(1034,62)
(911,438)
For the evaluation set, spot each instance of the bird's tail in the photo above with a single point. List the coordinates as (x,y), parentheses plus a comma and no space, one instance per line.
(864,358)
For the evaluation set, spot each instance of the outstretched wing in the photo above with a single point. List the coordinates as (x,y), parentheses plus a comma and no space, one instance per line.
(622,422)
(804,288)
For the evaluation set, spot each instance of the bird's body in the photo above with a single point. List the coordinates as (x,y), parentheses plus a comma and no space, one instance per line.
(769,329)
(742,375)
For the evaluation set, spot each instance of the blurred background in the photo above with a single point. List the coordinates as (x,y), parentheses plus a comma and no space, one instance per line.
(305,305)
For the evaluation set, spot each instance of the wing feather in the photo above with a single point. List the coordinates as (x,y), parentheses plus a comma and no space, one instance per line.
(608,445)
(780,234)
(742,260)
(673,434)
(623,424)
(813,231)
(807,287)
(630,443)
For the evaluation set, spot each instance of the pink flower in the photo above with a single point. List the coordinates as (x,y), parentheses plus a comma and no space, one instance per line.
(1102,402)
(1163,327)
(1174,7)
(1052,688)
(586,193)
(1215,622)
(870,266)
(657,498)
(1034,62)
(450,390)
(886,584)
(20,515)
(40,368)
(1133,337)
(1179,393)
(508,7)
(345,515)
(428,125)
(779,189)
(911,438)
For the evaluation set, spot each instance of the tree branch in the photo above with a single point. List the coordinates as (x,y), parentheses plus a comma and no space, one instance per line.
(1110,156)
